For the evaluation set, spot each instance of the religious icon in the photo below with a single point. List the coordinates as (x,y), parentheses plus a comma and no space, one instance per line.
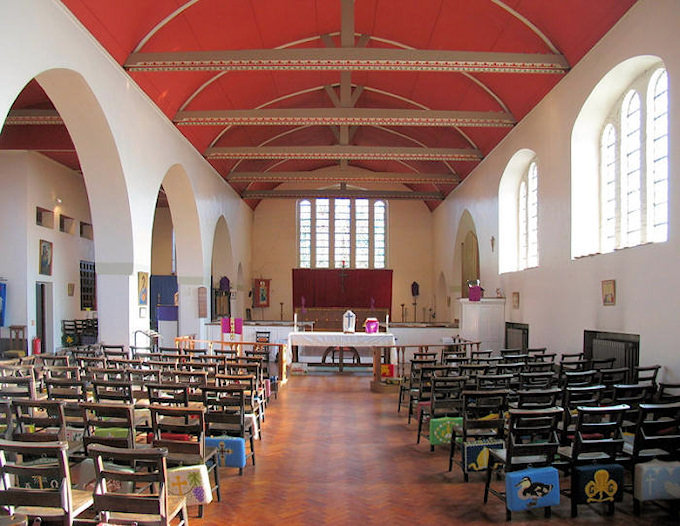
(261,292)
(143,287)
(609,292)
(45,267)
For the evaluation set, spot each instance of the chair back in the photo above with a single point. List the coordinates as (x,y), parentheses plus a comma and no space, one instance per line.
(532,437)
(483,413)
(225,410)
(169,421)
(151,469)
(657,431)
(668,392)
(20,473)
(110,424)
(17,387)
(574,397)
(39,421)
(167,393)
(598,436)
(113,391)
(445,395)
(538,398)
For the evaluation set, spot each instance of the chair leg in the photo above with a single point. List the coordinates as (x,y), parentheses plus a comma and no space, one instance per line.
(548,512)
(217,482)
(252,448)
(200,511)
(574,508)
(410,409)
(420,426)
(637,508)
(452,451)
(488,482)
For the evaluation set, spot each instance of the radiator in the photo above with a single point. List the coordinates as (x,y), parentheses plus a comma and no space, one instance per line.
(625,354)
(515,338)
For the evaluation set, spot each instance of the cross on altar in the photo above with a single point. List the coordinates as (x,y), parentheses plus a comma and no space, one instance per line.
(342,275)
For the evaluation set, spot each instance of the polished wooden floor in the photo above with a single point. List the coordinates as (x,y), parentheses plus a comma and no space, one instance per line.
(332,452)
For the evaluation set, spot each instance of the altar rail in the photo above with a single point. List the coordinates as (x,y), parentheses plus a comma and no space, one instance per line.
(330,318)
(188,342)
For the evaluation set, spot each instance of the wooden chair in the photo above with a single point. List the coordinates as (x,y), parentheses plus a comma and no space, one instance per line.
(18,387)
(226,415)
(55,360)
(108,424)
(411,384)
(39,421)
(538,398)
(166,393)
(494,381)
(482,419)
(598,439)
(609,378)
(537,380)
(644,374)
(574,397)
(531,442)
(580,378)
(190,422)
(657,436)
(151,508)
(445,400)
(667,393)
(52,497)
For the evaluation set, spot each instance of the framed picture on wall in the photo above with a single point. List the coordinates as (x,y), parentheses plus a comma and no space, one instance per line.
(609,292)
(45,258)
(261,292)
(143,288)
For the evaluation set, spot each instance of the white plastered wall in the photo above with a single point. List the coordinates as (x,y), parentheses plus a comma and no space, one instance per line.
(126,148)
(562,297)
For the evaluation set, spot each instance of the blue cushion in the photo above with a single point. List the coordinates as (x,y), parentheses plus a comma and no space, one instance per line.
(597,483)
(532,488)
(231,449)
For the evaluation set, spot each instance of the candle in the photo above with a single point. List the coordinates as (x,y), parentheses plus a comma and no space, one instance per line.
(387,323)
(295,322)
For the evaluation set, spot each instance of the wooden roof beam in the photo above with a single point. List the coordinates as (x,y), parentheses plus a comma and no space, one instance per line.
(349,59)
(344,116)
(336,176)
(337,152)
(338,192)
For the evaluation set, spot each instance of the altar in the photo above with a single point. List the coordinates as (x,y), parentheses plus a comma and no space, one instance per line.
(375,341)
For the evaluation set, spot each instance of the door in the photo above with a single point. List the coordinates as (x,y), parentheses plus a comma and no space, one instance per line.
(43,315)
(470,262)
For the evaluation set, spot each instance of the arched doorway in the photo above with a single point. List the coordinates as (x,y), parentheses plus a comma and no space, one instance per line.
(222,270)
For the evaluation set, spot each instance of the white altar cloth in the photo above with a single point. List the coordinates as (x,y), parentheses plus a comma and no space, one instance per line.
(340,339)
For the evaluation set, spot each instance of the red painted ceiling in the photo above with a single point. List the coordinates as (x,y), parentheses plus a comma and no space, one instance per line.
(569,28)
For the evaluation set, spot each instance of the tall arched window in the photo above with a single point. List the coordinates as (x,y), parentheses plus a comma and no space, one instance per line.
(518,213)
(631,178)
(631,159)
(657,182)
(608,193)
(527,219)
(342,233)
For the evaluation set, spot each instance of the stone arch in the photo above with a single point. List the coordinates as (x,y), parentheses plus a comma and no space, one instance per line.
(507,209)
(107,192)
(188,245)
(585,151)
